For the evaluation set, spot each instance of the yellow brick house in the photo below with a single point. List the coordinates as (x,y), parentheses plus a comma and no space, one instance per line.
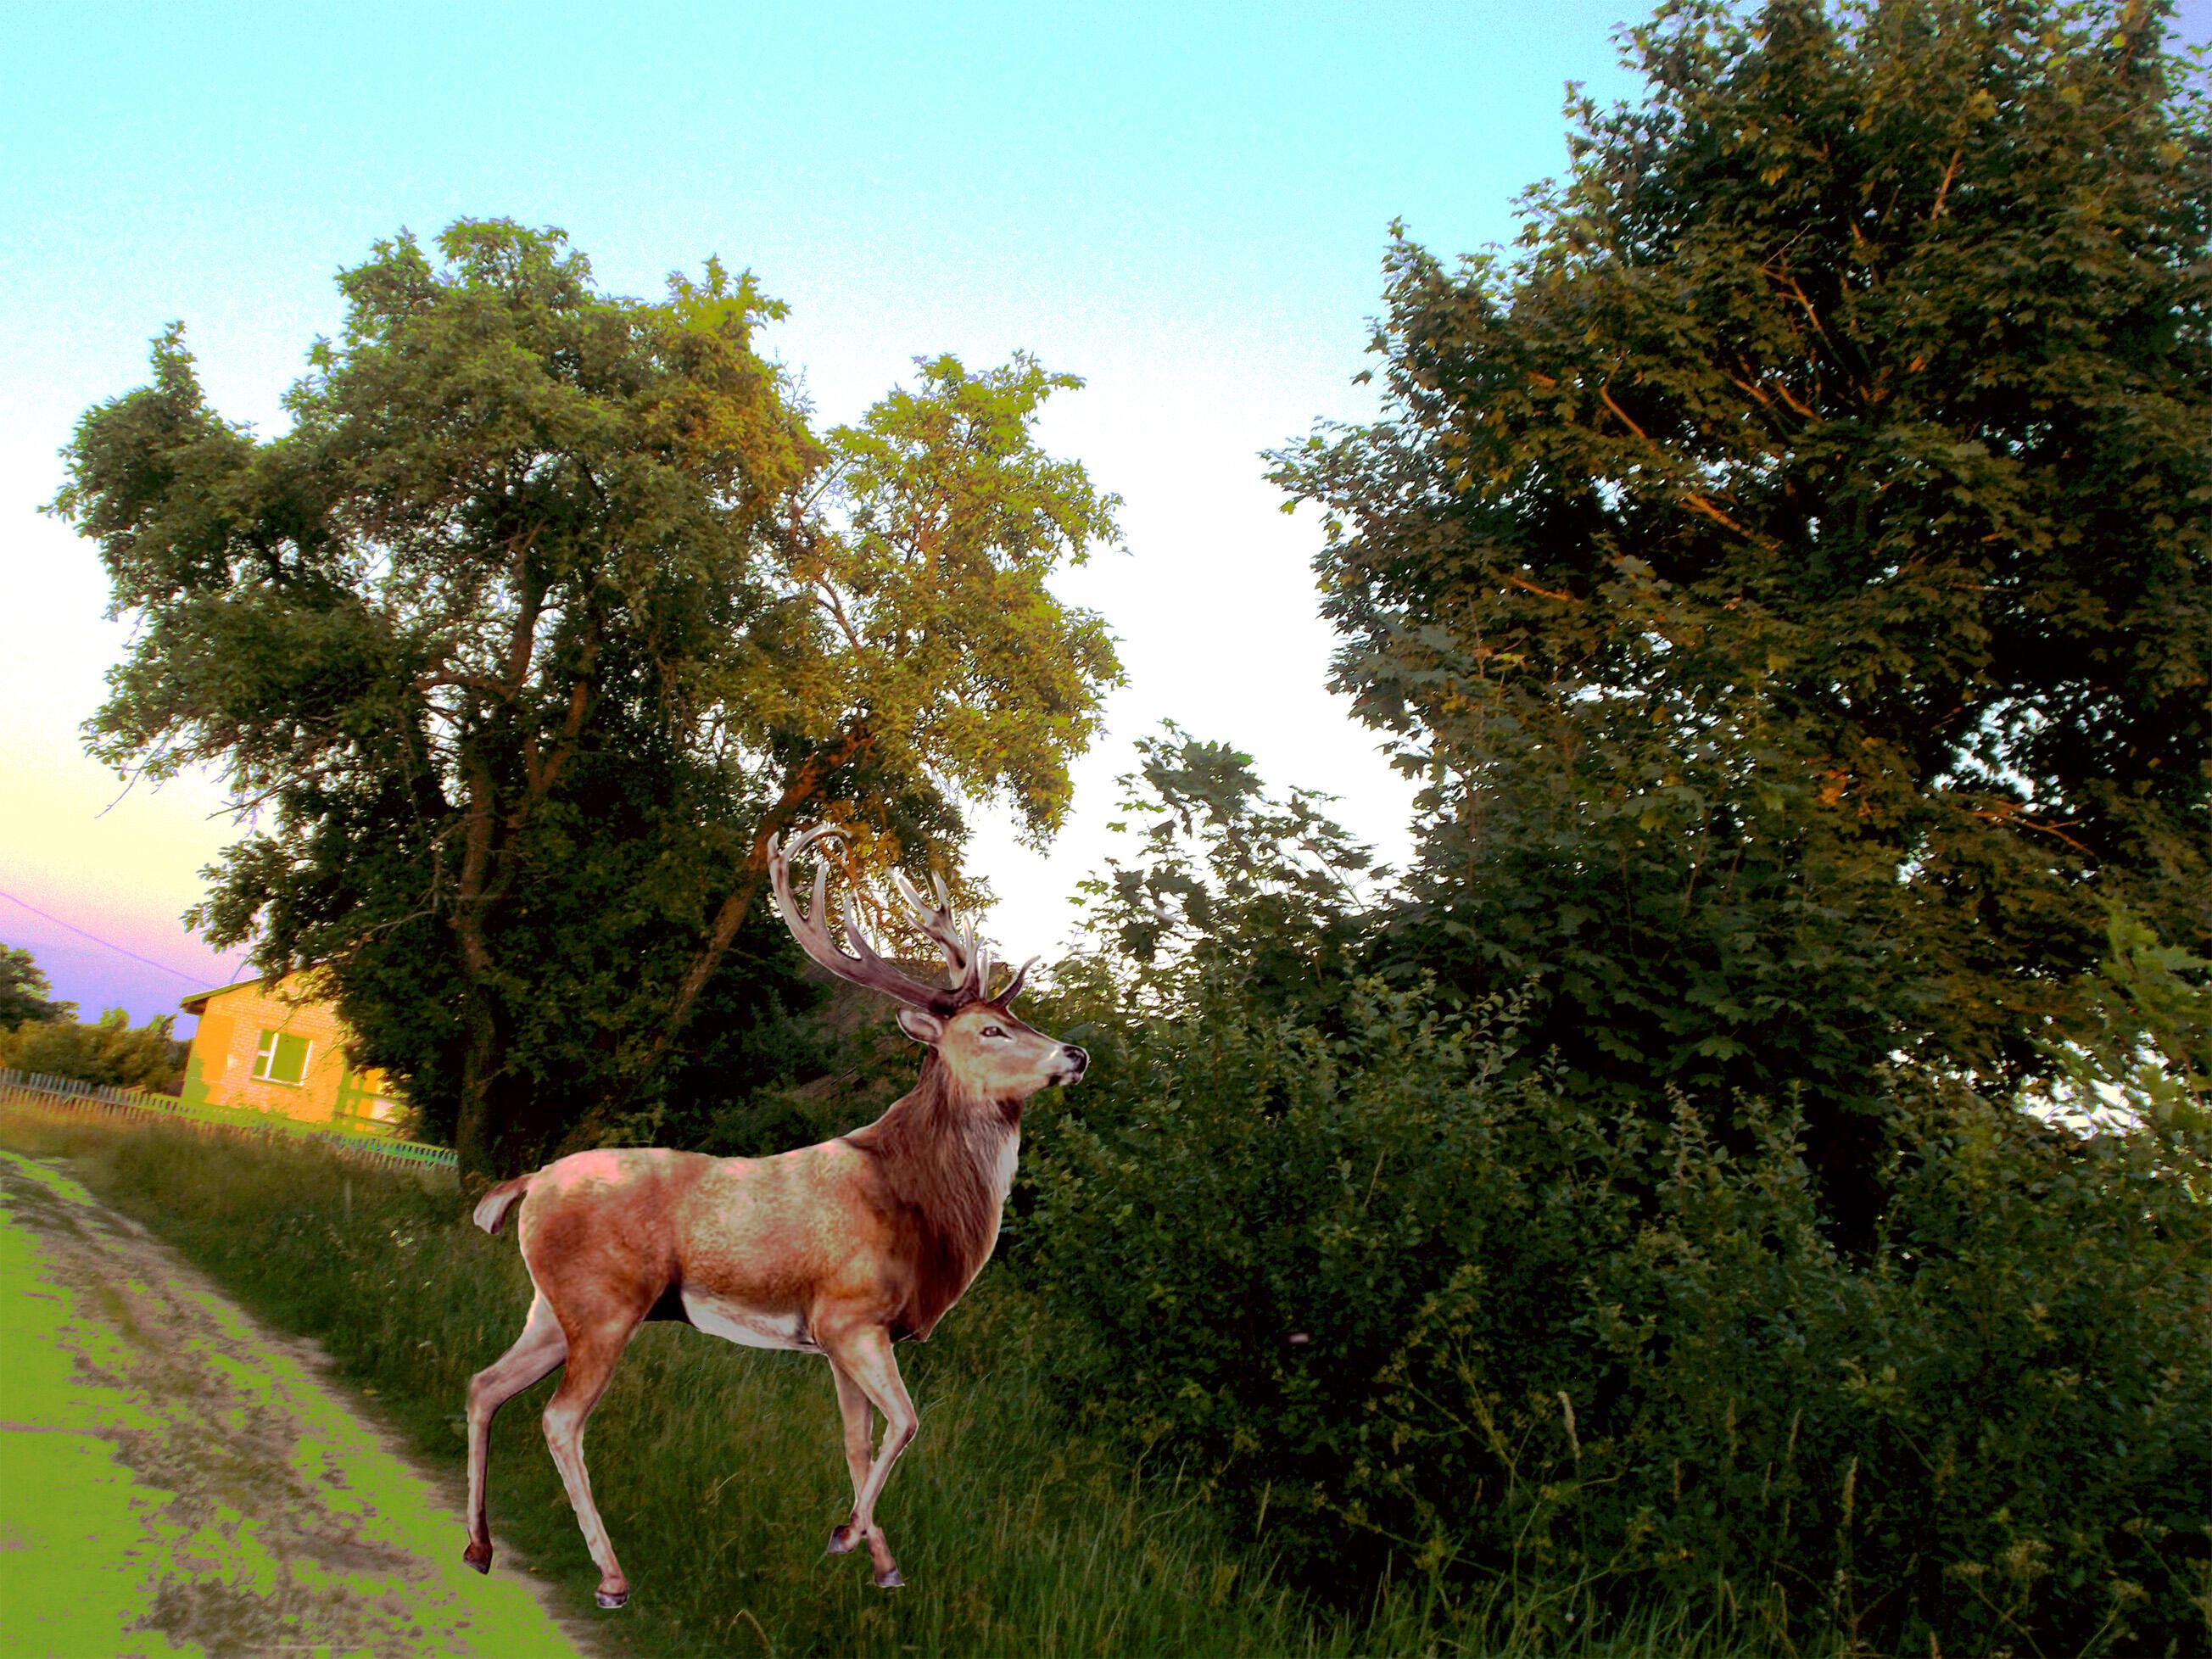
(282,1049)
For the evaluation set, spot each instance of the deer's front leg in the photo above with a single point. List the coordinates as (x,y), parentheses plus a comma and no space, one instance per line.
(863,1353)
(859,1441)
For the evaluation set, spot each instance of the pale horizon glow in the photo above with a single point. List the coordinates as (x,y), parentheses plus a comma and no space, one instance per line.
(1186,207)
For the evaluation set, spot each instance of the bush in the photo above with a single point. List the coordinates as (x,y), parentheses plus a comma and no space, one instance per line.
(1418,1315)
(111,1052)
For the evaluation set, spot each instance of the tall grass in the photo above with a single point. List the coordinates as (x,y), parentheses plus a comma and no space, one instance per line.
(719,1469)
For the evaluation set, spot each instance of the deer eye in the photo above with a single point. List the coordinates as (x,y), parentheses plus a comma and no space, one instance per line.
(993,1031)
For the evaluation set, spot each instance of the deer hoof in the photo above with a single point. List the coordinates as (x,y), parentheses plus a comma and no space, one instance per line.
(610,1598)
(478,1556)
(889,1579)
(841,1540)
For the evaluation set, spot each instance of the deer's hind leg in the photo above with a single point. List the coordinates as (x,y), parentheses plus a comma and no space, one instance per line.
(593,1349)
(540,1348)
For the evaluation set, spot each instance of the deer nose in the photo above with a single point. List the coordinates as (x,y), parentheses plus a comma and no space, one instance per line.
(1078,1062)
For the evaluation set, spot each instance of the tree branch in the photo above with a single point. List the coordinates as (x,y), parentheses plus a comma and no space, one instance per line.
(1943,191)
(469,894)
(1693,500)
(804,784)
(1515,579)
(2012,817)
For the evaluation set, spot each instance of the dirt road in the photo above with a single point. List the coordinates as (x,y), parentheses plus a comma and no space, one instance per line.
(175,1479)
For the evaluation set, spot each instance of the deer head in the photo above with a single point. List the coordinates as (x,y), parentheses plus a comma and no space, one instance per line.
(987,1052)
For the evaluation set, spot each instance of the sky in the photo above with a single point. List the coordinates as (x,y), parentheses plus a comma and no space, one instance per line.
(1188,206)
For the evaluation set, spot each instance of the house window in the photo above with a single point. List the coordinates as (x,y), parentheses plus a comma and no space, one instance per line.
(283,1058)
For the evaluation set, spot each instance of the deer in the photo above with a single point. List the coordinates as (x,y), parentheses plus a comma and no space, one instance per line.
(844,1248)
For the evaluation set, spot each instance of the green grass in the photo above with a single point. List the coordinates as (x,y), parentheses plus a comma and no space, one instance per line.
(719,1469)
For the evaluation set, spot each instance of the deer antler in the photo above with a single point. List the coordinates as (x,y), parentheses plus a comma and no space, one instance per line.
(864,967)
(958,944)
(969,963)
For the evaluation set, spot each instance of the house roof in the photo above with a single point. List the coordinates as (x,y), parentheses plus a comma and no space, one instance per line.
(196,1003)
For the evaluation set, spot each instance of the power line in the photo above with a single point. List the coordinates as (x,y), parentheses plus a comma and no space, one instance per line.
(189,979)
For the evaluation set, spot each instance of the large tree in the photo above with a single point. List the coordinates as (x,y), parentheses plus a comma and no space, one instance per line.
(1791,569)
(550,609)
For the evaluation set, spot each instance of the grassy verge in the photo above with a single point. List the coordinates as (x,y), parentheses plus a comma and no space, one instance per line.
(718,1470)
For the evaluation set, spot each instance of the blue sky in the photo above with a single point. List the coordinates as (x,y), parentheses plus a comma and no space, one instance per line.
(1187,205)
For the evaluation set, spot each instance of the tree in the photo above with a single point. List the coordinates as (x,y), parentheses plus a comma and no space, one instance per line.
(110,1051)
(1222,879)
(24,993)
(546,613)
(1792,571)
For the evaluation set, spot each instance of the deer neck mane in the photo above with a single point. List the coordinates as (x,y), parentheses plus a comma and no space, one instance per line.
(936,1141)
(945,1161)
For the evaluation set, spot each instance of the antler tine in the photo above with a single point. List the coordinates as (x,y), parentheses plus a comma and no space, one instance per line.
(906,887)
(915,901)
(976,982)
(779,855)
(857,937)
(792,849)
(1020,978)
(957,946)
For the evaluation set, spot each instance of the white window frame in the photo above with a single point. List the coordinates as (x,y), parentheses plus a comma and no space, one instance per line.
(265,1058)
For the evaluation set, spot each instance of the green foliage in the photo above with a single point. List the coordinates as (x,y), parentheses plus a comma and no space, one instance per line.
(24,993)
(1788,570)
(110,1051)
(2149,1051)
(1427,1316)
(802,1068)
(545,614)
(1438,1315)
(934,615)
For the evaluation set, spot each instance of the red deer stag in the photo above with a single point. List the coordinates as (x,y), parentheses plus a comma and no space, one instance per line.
(839,1249)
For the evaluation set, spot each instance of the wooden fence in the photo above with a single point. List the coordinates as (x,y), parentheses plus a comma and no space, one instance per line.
(142,1106)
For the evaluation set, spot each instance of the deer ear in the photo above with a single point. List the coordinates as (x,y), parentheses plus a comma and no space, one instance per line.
(920,1026)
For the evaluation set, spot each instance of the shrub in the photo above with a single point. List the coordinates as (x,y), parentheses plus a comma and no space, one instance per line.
(1419,1315)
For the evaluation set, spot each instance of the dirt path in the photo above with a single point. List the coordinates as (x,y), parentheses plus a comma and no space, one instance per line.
(175,1479)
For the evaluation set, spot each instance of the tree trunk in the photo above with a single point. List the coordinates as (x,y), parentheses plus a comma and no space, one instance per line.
(472,1125)
(803,790)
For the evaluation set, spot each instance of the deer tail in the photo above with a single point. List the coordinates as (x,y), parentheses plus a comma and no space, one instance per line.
(491,1209)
